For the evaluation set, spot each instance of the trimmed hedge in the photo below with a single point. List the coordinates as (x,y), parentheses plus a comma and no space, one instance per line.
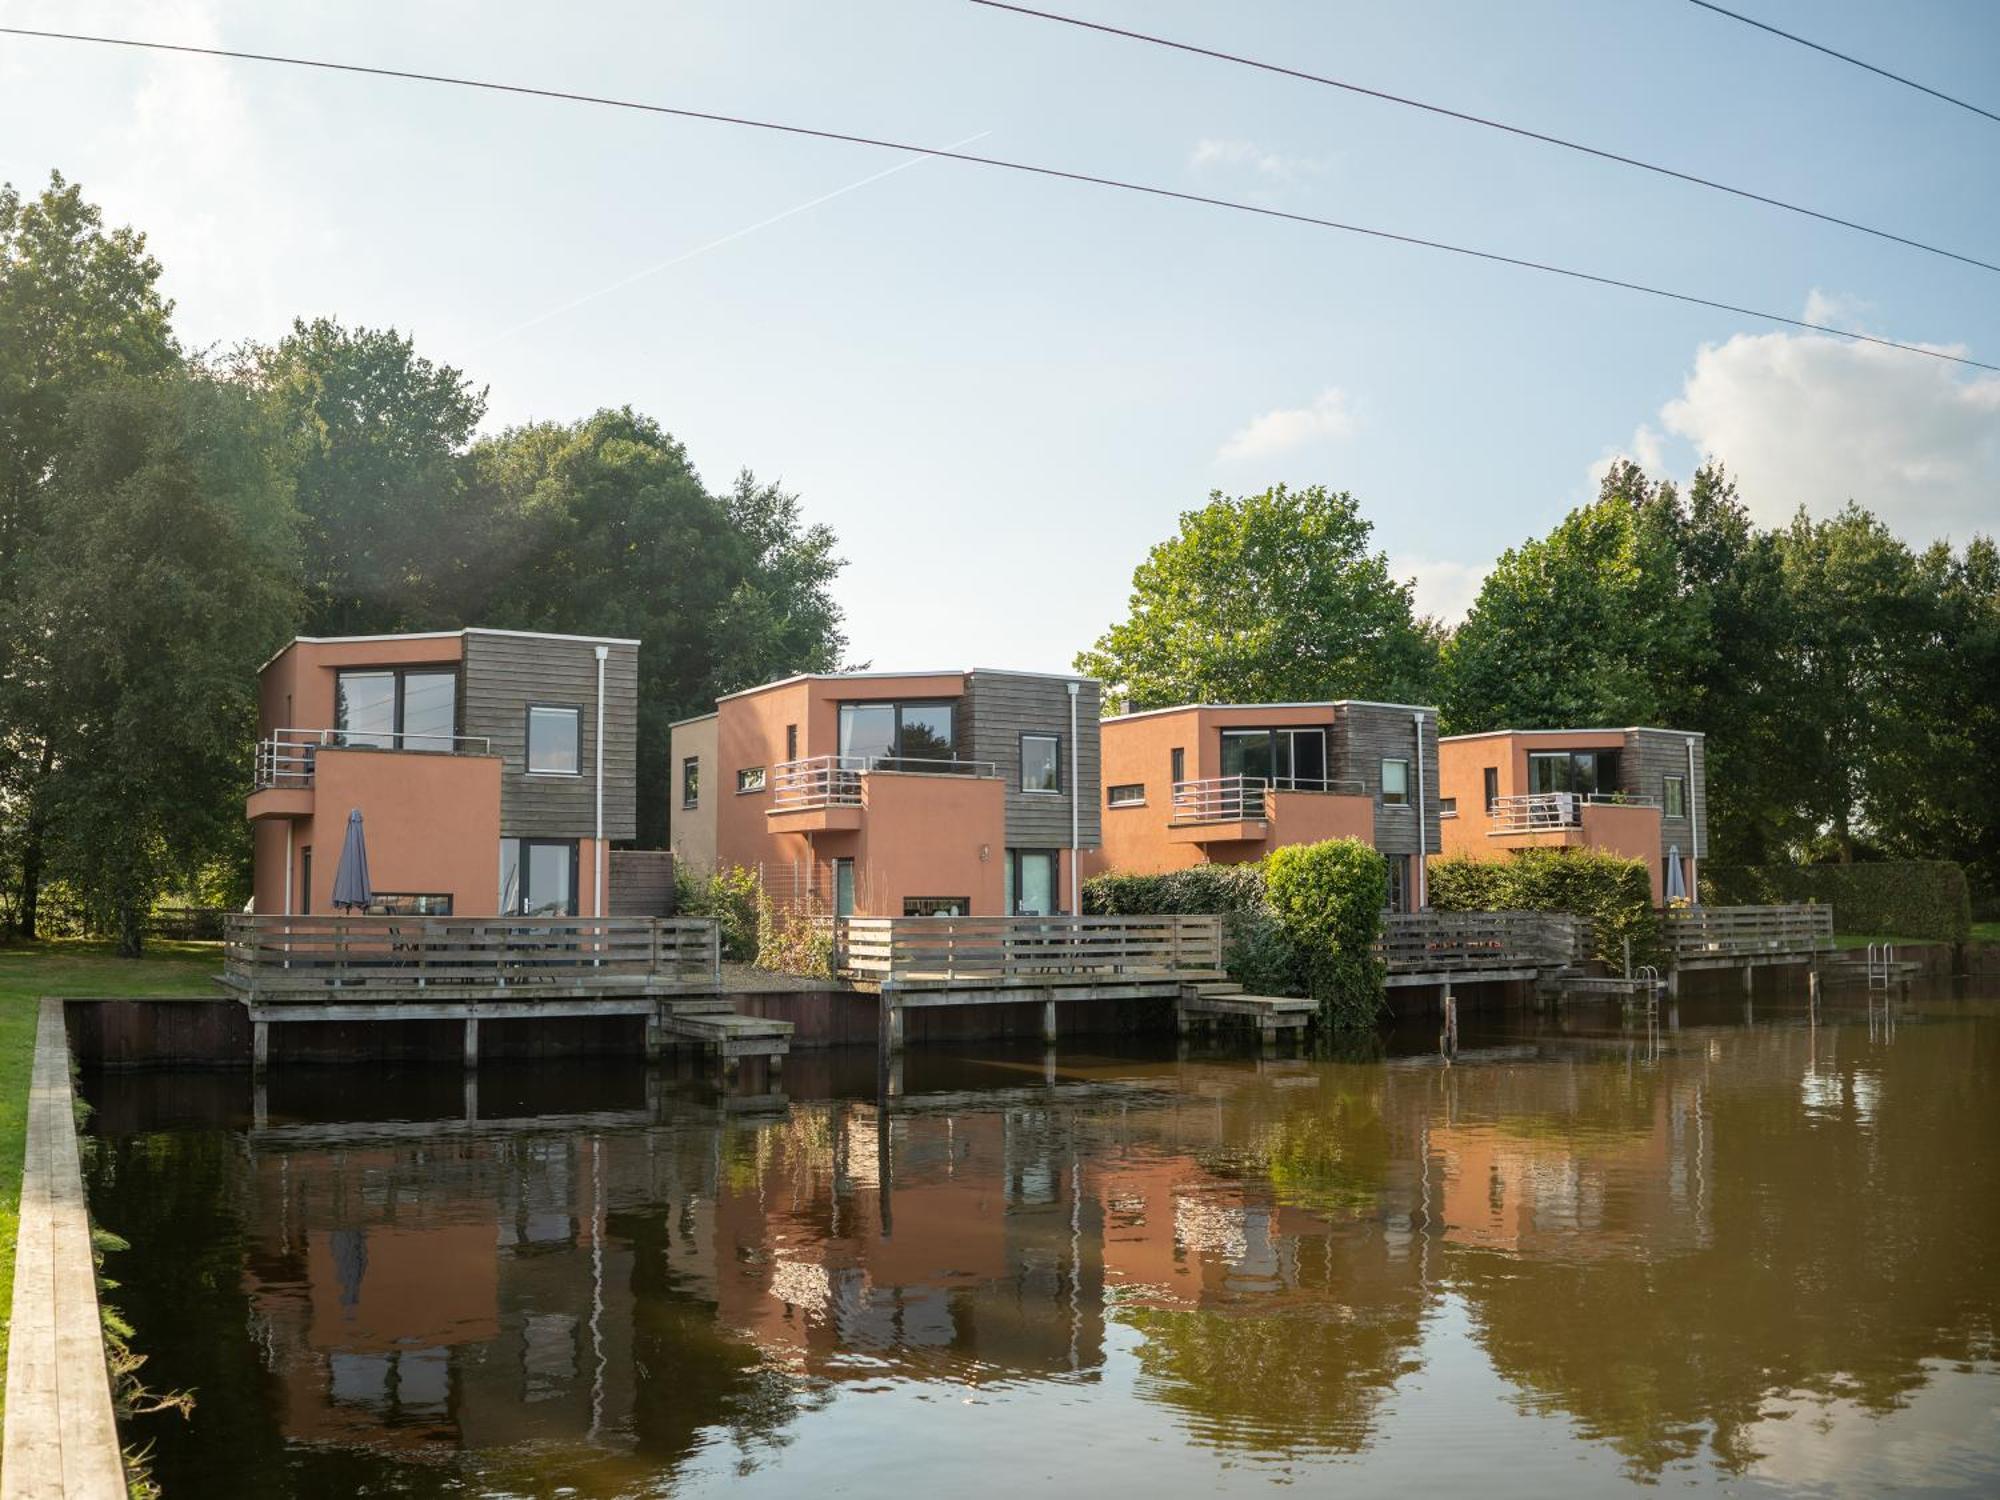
(1328,899)
(1909,898)
(1615,894)
(1303,921)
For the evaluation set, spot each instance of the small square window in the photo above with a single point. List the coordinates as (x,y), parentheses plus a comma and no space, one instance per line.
(1041,763)
(554,740)
(750,779)
(1447,807)
(1132,794)
(1395,783)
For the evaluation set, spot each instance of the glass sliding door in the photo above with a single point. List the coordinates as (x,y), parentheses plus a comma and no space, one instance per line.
(364,709)
(430,710)
(1289,759)
(843,887)
(867,731)
(538,877)
(924,731)
(1586,773)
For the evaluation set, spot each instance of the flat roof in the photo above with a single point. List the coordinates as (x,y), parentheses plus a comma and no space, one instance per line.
(892,676)
(1490,734)
(1188,708)
(690,719)
(445,635)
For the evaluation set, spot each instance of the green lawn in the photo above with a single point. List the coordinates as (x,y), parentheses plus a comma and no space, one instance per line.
(30,971)
(1982,932)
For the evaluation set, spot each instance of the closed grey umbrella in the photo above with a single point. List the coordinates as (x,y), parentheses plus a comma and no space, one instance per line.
(350,881)
(1676,882)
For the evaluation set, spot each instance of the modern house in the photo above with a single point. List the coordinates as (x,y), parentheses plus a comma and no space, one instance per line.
(967,793)
(492,769)
(1228,783)
(1640,793)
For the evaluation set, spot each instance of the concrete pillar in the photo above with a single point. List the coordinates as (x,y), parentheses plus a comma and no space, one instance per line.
(472,1041)
(260,1045)
(1049,1022)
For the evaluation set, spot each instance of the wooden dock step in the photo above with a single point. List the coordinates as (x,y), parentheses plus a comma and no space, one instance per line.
(1604,984)
(1267,1012)
(730,1035)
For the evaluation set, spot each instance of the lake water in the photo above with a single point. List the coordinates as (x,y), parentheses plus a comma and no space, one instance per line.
(1745,1256)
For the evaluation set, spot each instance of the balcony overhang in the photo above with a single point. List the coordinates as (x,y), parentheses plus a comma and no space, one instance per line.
(279,802)
(1221,831)
(829,818)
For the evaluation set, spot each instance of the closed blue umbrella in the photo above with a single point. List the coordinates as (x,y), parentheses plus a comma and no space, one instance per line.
(350,882)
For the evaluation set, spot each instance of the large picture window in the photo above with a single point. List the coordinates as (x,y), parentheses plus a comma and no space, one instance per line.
(1288,759)
(555,740)
(1041,763)
(880,735)
(538,877)
(411,709)
(1584,772)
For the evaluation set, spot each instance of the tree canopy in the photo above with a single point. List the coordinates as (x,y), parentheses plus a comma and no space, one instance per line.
(1274,597)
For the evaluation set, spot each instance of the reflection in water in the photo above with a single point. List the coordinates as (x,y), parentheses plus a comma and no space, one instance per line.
(1722,1257)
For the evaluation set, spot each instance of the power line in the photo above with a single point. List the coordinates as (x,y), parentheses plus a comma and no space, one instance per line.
(1003,163)
(1489,124)
(1922,88)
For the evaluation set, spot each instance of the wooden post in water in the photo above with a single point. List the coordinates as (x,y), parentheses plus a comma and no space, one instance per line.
(1049,1022)
(260,1046)
(1812,996)
(1448,1038)
(472,1041)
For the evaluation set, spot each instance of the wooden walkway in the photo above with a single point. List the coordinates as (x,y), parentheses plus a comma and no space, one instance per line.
(61,1438)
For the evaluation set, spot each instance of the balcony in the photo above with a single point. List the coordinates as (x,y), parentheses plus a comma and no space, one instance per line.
(1242,809)
(287,764)
(1553,812)
(827,792)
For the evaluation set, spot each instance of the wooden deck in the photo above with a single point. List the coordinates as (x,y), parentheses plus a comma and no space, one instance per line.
(1486,947)
(965,953)
(1738,937)
(305,960)
(61,1440)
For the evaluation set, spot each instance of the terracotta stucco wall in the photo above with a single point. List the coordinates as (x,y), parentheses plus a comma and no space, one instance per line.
(1629,832)
(432,824)
(692,830)
(296,690)
(1462,764)
(929,836)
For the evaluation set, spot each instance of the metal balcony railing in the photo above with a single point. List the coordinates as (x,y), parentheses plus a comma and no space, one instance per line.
(286,759)
(1231,799)
(1540,812)
(835,780)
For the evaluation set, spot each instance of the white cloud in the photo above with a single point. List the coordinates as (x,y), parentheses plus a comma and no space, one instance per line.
(1810,419)
(1211,152)
(1280,431)
(1804,419)
(1443,588)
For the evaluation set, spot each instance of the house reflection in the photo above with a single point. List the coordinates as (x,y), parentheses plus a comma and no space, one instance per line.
(1655,1251)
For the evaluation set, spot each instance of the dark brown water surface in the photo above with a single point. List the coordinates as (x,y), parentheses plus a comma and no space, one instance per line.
(1747,1256)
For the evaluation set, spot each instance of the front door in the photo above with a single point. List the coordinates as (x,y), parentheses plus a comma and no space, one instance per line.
(843,887)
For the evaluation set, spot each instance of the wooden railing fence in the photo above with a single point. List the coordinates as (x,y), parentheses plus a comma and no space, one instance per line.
(1025,950)
(1717,933)
(323,953)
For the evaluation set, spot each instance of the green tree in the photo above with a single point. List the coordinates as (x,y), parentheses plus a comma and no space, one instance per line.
(1267,598)
(164,575)
(604,527)
(378,434)
(78,303)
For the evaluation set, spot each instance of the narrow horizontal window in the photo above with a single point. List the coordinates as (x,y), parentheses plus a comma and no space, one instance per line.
(1447,807)
(750,779)
(1132,794)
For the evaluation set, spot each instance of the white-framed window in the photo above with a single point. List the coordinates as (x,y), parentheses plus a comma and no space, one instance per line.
(1395,783)
(1041,763)
(1447,807)
(750,779)
(555,740)
(1130,794)
(691,781)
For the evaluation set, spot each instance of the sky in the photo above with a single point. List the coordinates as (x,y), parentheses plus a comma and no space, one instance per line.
(1001,391)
